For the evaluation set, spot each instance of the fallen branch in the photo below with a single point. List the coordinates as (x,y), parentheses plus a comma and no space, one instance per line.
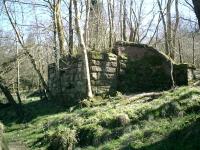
(150,96)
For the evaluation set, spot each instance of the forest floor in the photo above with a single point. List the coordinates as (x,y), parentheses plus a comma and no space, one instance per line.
(168,121)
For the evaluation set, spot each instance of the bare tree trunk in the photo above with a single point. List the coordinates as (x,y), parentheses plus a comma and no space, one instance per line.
(176,23)
(165,28)
(82,45)
(179,50)
(112,22)
(121,20)
(124,21)
(86,30)
(169,38)
(71,36)
(169,29)
(139,20)
(193,48)
(172,74)
(60,29)
(55,33)
(110,16)
(18,69)
(131,23)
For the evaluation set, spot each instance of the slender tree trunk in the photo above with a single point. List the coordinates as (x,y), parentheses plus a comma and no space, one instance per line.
(124,21)
(86,30)
(121,20)
(139,21)
(131,23)
(172,74)
(193,48)
(112,8)
(110,22)
(18,74)
(71,36)
(55,31)
(165,28)
(169,29)
(180,53)
(176,23)
(82,45)
(60,29)
(56,51)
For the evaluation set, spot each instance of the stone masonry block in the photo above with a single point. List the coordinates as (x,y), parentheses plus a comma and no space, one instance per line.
(94,75)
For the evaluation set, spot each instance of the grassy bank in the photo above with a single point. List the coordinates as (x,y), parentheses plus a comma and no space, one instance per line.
(171,121)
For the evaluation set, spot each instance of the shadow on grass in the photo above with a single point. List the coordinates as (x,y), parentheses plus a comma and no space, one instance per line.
(173,108)
(31,110)
(185,139)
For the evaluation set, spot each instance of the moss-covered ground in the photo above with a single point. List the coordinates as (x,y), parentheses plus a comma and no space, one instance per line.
(169,122)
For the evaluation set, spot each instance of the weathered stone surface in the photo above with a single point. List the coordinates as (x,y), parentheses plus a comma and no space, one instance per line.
(94,62)
(110,70)
(122,65)
(106,76)
(94,75)
(103,69)
(138,67)
(113,64)
(146,68)
(103,64)
(102,82)
(112,59)
(96,69)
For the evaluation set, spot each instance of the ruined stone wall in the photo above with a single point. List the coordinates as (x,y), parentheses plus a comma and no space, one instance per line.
(148,69)
(136,68)
(72,82)
(52,83)
(103,69)
(72,79)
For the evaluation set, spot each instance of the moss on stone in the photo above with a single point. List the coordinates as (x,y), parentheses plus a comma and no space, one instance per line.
(144,75)
(96,55)
(102,56)
(124,43)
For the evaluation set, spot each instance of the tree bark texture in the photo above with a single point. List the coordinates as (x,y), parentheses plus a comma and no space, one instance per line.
(83,47)
(70,29)
(60,29)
